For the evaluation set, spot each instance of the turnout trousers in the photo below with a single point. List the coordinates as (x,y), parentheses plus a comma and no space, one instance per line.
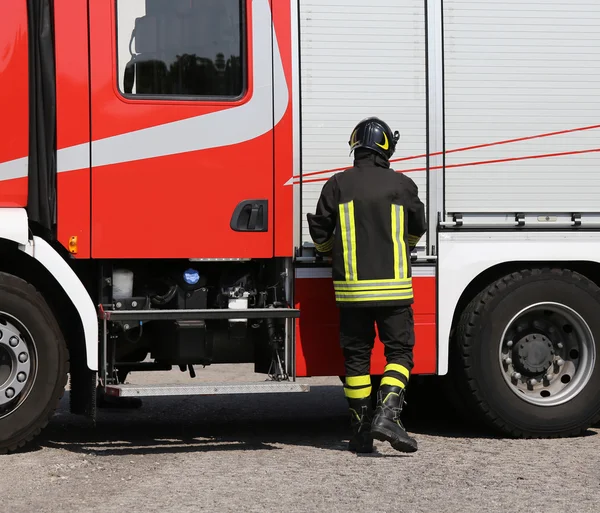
(395,326)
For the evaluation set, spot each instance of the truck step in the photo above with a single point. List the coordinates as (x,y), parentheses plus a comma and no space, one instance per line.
(267,387)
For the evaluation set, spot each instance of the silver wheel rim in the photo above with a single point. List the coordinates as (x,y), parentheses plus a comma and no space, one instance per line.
(18,364)
(547,354)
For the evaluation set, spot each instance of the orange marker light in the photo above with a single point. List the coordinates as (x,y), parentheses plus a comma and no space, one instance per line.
(73,244)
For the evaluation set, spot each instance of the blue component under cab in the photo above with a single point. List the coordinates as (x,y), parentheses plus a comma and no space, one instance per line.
(191,276)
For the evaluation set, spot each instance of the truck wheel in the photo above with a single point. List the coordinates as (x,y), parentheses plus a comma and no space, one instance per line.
(34,363)
(527,354)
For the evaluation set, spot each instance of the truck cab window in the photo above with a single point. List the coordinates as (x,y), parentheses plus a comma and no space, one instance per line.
(181,48)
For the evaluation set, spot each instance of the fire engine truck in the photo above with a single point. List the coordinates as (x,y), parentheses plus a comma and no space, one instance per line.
(158,159)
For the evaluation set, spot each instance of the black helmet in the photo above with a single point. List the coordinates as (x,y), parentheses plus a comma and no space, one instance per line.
(375,135)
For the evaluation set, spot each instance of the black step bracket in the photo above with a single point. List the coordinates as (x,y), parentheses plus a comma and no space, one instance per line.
(196,315)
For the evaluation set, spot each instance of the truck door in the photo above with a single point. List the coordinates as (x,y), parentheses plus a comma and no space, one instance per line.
(182,128)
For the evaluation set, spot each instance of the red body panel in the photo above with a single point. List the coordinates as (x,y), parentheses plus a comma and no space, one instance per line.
(14,100)
(318,350)
(178,205)
(73,122)
(13,193)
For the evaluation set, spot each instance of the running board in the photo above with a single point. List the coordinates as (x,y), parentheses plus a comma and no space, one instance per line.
(267,387)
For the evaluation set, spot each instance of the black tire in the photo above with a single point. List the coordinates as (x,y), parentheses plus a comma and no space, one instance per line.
(21,301)
(475,363)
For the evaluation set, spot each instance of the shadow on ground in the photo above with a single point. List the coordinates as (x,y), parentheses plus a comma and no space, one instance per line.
(236,423)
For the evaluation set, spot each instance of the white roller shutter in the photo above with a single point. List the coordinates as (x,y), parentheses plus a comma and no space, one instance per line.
(360,59)
(518,69)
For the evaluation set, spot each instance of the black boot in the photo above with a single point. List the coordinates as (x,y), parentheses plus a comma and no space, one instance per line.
(361,415)
(386,424)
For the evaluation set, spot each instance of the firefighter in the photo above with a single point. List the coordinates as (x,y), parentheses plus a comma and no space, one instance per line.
(370,218)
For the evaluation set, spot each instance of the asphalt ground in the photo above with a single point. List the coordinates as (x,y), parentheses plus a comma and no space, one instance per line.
(287,453)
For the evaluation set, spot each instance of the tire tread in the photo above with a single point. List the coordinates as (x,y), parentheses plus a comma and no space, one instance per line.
(465,340)
(17,286)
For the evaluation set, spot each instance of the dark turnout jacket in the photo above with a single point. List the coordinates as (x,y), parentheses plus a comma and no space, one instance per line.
(370,218)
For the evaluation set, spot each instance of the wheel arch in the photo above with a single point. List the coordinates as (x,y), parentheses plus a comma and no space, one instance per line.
(468,262)
(589,269)
(37,262)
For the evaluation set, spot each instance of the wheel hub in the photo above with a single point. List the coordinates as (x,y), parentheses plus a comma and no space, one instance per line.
(15,364)
(535,354)
(547,354)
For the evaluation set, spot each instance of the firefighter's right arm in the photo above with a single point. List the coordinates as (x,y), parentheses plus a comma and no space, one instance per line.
(322,224)
(417,224)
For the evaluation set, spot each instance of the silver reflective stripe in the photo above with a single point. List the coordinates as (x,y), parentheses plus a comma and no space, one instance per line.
(399,236)
(373,285)
(375,295)
(348,237)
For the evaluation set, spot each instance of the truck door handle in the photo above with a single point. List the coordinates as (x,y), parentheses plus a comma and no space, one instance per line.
(251,216)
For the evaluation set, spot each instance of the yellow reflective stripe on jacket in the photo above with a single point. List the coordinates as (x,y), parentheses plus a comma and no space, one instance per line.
(398,286)
(372,298)
(348,240)
(326,247)
(395,228)
(375,282)
(403,245)
(374,295)
(373,285)
(400,263)
(353,270)
(367,293)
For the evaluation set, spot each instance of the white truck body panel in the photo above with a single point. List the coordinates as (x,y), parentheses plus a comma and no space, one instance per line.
(78,294)
(521,102)
(514,70)
(14,226)
(360,59)
(465,255)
